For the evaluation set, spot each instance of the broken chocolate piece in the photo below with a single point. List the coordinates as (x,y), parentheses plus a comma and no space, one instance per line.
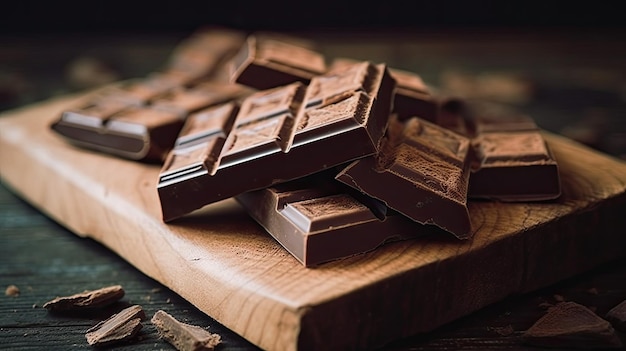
(413,98)
(512,161)
(617,316)
(514,166)
(184,337)
(319,220)
(264,63)
(425,163)
(86,300)
(571,325)
(143,131)
(120,327)
(282,134)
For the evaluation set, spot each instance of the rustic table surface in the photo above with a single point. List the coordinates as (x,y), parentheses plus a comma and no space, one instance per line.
(571,83)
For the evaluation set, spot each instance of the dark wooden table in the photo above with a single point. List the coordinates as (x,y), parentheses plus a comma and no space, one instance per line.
(570,83)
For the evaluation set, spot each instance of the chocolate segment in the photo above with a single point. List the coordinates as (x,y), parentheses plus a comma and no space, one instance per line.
(318,220)
(413,98)
(512,160)
(264,63)
(421,171)
(285,133)
(195,153)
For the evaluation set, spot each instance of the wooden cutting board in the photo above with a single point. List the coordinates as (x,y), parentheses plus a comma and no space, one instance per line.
(226,265)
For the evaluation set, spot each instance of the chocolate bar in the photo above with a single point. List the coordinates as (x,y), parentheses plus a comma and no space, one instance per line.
(264,63)
(282,134)
(141,125)
(318,220)
(421,171)
(512,161)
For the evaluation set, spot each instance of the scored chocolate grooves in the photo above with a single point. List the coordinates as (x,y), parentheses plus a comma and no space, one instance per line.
(281,134)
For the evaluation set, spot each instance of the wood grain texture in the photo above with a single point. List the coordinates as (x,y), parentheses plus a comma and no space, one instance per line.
(226,265)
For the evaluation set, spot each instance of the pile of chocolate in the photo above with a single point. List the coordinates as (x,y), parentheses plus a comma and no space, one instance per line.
(333,157)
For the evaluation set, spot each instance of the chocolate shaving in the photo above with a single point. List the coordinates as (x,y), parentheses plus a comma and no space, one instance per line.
(86,300)
(120,327)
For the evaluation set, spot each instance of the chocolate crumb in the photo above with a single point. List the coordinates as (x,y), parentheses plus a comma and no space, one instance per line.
(571,325)
(558,298)
(86,300)
(593,291)
(617,316)
(184,337)
(12,290)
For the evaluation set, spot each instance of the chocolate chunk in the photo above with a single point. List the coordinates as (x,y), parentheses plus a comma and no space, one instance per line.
(319,220)
(86,300)
(140,130)
(511,159)
(282,134)
(264,63)
(425,163)
(413,98)
(120,327)
(571,325)
(617,316)
(183,336)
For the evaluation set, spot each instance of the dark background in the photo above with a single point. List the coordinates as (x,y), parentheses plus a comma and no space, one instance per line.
(60,16)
